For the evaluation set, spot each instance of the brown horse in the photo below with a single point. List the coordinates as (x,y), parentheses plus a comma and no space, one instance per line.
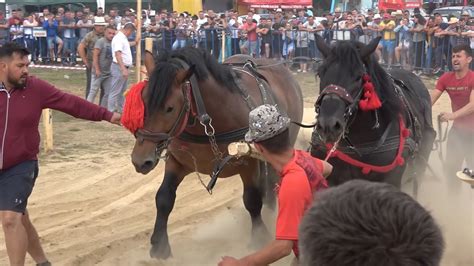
(194,107)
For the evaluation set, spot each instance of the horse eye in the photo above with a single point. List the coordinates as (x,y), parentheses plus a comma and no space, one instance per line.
(169,110)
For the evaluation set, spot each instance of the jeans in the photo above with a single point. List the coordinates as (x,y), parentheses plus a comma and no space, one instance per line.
(70,47)
(104,82)
(178,44)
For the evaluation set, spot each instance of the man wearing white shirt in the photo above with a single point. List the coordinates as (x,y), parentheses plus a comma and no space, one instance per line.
(122,61)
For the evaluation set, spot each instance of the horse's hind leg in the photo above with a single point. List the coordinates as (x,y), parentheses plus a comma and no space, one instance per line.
(253,195)
(165,199)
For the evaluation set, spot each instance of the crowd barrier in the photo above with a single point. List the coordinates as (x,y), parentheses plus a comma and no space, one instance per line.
(422,53)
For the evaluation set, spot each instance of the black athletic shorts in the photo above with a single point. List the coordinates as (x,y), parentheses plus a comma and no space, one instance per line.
(16,184)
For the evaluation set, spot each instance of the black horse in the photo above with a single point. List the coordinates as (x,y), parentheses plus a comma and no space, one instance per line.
(368,134)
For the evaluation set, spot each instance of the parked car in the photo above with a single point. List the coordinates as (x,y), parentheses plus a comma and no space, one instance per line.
(455,11)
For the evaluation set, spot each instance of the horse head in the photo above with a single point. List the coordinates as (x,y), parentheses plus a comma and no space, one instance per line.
(167,100)
(342,77)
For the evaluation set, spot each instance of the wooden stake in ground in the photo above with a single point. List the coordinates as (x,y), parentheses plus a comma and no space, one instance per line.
(48,129)
(139,42)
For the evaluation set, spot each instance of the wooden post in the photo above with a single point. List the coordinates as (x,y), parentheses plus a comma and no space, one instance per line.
(223,46)
(139,38)
(48,129)
(148,47)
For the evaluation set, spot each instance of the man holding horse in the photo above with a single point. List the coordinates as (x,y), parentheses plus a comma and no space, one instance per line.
(459,84)
(300,176)
(22,98)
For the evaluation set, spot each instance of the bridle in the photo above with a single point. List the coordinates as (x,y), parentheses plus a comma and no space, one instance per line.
(162,140)
(341,92)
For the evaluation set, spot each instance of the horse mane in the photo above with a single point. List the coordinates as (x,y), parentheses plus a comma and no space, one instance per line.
(346,54)
(166,68)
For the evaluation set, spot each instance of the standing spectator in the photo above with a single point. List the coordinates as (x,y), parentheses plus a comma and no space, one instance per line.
(263,30)
(250,45)
(234,26)
(441,42)
(30,40)
(4,30)
(311,27)
(302,48)
(51,26)
(459,84)
(69,36)
(102,61)
(289,37)
(387,45)
(429,31)
(86,48)
(277,32)
(419,39)
(404,40)
(16,31)
(100,12)
(122,61)
(84,25)
(22,99)
(16,14)
(181,31)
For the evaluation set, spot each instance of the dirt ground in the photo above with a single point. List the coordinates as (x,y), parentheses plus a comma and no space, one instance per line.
(91,207)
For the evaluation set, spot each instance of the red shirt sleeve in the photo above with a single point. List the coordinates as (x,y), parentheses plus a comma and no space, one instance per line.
(52,97)
(441,84)
(293,197)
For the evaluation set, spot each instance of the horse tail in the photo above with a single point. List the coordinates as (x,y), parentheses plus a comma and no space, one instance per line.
(267,181)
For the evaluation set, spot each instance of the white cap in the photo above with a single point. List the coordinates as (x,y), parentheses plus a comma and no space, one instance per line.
(279,10)
(377,16)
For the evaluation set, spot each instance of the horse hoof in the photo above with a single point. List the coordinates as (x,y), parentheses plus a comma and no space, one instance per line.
(160,252)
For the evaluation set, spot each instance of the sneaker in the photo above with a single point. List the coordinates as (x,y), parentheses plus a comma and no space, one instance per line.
(304,71)
(299,70)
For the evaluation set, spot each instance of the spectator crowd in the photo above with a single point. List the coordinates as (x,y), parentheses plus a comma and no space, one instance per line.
(408,39)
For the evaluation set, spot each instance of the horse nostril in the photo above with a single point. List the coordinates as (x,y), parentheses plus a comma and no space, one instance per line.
(148,164)
(338,126)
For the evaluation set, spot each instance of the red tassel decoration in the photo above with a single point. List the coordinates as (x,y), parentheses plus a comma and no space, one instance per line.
(370,100)
(134,109)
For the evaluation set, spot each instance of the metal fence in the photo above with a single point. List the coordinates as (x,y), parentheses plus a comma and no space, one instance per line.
(418,52)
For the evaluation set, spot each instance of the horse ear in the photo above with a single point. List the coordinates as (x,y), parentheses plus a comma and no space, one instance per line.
(367,50)
(322,46)
(184,75)
(149,62)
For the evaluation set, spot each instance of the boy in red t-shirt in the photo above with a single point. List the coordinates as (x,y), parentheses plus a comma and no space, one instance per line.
(459,84)
(300,176)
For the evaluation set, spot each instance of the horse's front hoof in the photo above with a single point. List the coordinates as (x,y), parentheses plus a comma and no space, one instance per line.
(160,252)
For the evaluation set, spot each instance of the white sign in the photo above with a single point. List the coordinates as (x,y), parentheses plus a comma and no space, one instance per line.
(39,32)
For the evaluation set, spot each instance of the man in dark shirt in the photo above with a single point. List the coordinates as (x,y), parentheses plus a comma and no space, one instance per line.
(22,99)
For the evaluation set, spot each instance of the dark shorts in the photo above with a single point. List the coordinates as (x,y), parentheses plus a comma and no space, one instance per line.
(16,185)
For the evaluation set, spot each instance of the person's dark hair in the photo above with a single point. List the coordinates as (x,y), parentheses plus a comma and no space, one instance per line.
(463,47)
(421,19)
(129,26)
(11,48)
(110,27)
(277,144)
(370,224)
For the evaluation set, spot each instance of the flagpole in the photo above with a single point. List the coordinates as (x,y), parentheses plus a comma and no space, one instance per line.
(139,42)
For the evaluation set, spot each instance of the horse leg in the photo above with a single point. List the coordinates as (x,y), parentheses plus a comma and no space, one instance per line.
(164,200)
(253,202)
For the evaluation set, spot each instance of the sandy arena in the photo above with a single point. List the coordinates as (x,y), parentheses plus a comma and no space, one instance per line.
(91,208)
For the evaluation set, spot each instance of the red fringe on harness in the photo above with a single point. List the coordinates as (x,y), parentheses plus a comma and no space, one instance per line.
(370,100)
(134,110)
(367,168)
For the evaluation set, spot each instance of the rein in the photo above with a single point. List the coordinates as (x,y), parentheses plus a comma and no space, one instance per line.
(442,136)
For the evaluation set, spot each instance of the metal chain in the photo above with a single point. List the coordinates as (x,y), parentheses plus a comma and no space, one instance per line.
(212,139)
(195,167)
